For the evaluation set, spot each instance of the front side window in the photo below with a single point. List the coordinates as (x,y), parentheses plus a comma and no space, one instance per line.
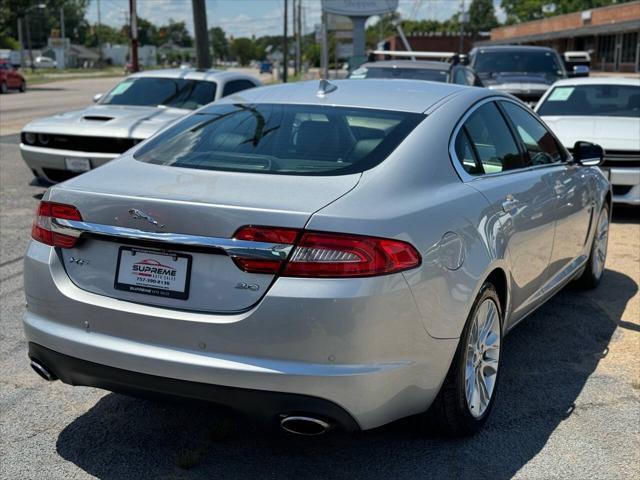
(592,100)
(459,77)
(168,92)
(492,142)
(281,139)
(541,147)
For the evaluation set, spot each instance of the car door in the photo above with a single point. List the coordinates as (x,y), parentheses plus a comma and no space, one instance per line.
(14,77)
(574,208)
(521,198)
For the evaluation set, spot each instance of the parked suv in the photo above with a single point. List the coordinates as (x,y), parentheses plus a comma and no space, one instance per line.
(10,78)
(523,71)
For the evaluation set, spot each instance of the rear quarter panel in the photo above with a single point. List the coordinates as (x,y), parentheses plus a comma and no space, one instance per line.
(416,196)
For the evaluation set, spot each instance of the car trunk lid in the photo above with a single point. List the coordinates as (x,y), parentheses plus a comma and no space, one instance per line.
(157,220)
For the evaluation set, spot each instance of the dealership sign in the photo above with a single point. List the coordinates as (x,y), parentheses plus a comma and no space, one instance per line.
(359,8)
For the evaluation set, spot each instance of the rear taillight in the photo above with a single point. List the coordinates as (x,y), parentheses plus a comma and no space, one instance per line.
(335,255)
(41,230)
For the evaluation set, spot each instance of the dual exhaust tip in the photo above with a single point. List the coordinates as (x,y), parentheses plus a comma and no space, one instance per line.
(43,371)
(296,424)
(303,425)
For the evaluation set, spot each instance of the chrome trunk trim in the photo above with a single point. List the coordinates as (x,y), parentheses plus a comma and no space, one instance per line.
(232,247)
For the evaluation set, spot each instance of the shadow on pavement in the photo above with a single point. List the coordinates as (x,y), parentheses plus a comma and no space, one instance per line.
(626,214)
(547,361)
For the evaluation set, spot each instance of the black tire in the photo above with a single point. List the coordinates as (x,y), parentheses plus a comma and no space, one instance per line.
(4,88)
(592,274)
(23,86)
(450,413)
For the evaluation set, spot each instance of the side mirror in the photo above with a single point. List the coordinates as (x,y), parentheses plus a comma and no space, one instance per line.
(97,97)
(579,71)
(588,154)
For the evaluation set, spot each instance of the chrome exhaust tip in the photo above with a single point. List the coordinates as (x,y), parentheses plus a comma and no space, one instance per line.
(302,425)
(43,371)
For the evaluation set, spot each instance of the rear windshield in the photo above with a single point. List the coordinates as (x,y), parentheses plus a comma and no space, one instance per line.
(518,61)
(405,73)
(593,100)
(281,139)
(168,92)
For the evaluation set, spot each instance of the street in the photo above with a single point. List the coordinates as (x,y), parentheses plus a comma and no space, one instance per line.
(568,405)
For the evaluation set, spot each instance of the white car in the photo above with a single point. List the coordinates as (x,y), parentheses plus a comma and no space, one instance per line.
(605,111)
(44,62)
(59,147)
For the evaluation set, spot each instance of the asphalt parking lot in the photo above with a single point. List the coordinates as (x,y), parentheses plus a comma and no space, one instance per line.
(568,406)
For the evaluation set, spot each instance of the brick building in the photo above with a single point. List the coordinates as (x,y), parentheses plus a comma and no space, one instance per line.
(432,42)
(611,34)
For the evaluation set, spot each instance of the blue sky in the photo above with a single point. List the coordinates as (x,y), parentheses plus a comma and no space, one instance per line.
(247,17)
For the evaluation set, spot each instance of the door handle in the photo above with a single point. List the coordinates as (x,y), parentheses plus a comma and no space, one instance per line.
(510,203)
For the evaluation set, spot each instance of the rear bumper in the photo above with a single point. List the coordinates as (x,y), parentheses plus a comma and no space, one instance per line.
(49,163)
(626,185)
(359,344)
(264,405)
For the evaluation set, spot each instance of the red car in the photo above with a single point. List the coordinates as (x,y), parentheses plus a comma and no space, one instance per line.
(10,78)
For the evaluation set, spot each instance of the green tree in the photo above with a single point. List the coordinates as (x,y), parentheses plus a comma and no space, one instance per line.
(219,43)
(147,32)
(43,17)
(525,10)
(104,34)
(175,32)
(482,16)
(243,50)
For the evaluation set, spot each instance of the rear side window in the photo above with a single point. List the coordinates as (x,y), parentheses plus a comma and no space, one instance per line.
(281,139)
(492,142)
(236,86)
(542,148)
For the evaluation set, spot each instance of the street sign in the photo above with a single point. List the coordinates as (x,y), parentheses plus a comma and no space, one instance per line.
(359,8)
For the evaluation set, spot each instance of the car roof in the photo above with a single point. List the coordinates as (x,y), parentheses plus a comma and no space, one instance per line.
(598,81)
(190,74)
(512,48)
(382,94)
(417,64)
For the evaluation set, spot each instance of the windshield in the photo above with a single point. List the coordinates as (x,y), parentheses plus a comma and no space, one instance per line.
(405,73)
(169,92)
(281,139)
(540,62)
(593,100)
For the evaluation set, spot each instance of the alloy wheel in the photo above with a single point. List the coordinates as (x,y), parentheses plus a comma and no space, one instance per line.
(482,358)
(600,243)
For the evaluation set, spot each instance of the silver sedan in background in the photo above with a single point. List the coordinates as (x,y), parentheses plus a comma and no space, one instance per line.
(62,146)
(345,254)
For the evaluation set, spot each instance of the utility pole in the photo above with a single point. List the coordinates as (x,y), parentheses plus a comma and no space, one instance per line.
(26,21)
(285,47)
(294,27)
(299,37)
(62,32)
(21,42)
(133,32)
(324,59)
(202,36)
(98,35)
(461,20)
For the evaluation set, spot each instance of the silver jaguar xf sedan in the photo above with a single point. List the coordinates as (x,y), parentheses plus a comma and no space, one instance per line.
(342,254)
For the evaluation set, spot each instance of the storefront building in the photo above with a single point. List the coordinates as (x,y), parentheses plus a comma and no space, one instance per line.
(610,34)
